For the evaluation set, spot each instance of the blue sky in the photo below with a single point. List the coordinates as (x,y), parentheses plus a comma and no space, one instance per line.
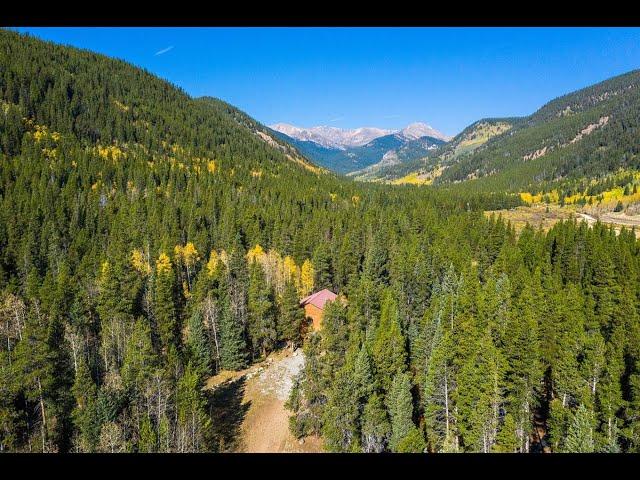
(384,77)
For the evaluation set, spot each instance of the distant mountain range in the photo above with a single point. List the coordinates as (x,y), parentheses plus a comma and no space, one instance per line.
(352,150)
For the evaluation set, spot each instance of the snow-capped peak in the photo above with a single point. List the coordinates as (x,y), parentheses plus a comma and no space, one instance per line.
(333,137)
(417,130)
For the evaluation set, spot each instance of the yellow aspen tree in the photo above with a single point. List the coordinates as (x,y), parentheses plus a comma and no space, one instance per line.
(306,278)
(190,257)
(139,262)
(105,270)
(187,257)
(163,264)
(255,254)
(224,258)
(269,264)
(291,270)
(164,302)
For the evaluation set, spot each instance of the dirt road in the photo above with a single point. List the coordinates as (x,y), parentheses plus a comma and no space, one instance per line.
(251,416)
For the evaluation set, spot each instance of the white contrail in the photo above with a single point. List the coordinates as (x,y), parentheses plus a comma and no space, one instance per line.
(164,50)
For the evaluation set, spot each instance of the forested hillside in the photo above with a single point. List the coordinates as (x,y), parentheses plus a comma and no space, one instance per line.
(149,240)
(586,134)
(427,168)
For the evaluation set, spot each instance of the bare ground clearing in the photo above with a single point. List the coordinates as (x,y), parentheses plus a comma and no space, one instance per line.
(252,416)
(540,216)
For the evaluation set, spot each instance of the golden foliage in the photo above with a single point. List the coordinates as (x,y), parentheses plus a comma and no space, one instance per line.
(110,152)
(278,270)
(211,166)
(291,270)
(105,269)
(187,254)
(163,264)
(50,152)
(185,290)
(121,106)
(420,178)
(550,197)
(255,254)
(41,133)
(607,198)
(212,264)
(177,149)
(139,262)
(306,278)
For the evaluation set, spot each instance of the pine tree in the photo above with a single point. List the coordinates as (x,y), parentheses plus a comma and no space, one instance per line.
(148,442)
(85,416)
(480,395)
(439,390)
(193,424)
(291,317)
(33,366)
(198,345)
(261,318)
(234,312)
(233,349)
(365,380)
(388,347)
(580,434)
(323,273)
(507,440)
(523,368)
(376,429)
(400,405)
(308,399)
(557,424)
(139,357)
(335,338)
(376,258)
(340,420)
(567,380)
(413,442)
(164,303)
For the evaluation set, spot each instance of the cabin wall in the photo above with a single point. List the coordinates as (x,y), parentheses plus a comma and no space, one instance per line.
(315,314)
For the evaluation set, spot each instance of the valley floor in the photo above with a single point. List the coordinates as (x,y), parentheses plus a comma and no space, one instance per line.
(248,411)
(546,217)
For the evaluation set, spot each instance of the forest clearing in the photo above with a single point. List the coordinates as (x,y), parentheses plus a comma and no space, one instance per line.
(546,216)
(260,392)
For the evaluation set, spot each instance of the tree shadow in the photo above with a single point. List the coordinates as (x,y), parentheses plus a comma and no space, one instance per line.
(227,414)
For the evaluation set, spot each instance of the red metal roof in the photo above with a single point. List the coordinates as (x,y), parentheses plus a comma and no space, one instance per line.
(318,299)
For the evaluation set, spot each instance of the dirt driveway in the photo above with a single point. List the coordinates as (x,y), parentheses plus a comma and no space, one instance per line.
(250,415)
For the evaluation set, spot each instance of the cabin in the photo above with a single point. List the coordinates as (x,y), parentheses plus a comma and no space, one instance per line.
(314,306)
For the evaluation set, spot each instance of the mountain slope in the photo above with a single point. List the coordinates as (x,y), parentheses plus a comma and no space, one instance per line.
(340,153)
(426,168)
(405,153)
(588,133)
